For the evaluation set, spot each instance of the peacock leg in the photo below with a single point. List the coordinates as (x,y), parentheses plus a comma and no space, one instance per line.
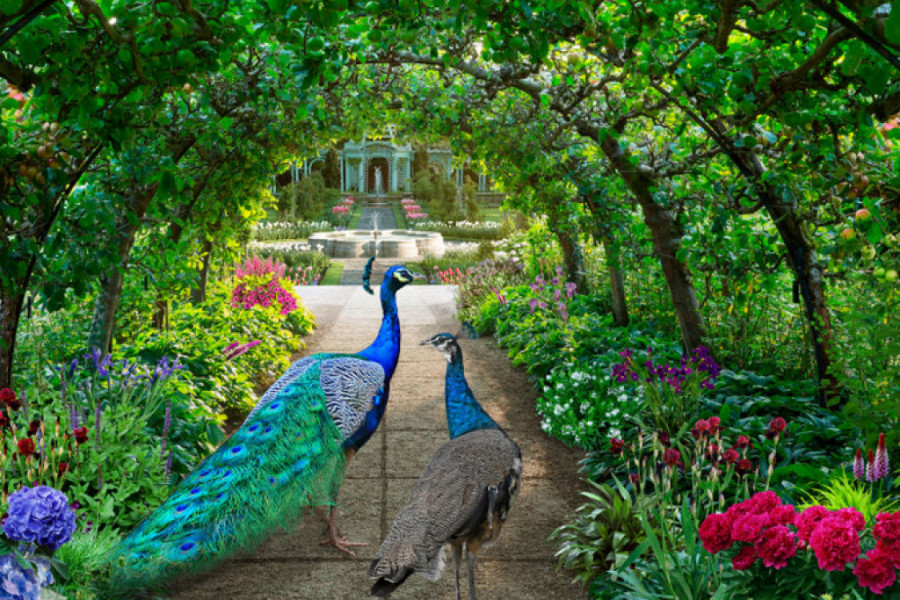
(470,563)
(335,537)
(457,559)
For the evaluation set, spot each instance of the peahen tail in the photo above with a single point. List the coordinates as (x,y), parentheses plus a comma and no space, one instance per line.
(287,456)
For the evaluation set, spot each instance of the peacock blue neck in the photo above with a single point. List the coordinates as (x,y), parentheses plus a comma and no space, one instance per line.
(464,413)
(385,350)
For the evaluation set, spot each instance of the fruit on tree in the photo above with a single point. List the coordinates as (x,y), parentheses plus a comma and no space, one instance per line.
(848,234)
(867,252)
(862,215)
(890,275)
(878,272)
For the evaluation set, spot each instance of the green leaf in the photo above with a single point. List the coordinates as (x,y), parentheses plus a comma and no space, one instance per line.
(545,100)
(892,25)
(10,7)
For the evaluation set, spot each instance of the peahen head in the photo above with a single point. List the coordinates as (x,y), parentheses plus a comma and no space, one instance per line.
(446,344)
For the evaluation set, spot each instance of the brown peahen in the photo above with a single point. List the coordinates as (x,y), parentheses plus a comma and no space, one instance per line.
(463,497)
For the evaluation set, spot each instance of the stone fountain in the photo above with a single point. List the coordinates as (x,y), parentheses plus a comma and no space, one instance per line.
(384,243)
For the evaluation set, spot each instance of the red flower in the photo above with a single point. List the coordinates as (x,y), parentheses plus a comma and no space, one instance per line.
(744,559)
(63,468)
(8,397)
(743,442)
(714,425)
(701,427)
(776,427)
(634,477)
(763,502)
(748,528)
(3,420)
(663,438)
(835,542)
(616,445)
(715,532)
(807,521)
(744,466)
(731,456)
(712,453)
(26,446)
(887,535)
(776,545)
(33,427)
(785,514)
(81,435)
(875,571)
(671,457)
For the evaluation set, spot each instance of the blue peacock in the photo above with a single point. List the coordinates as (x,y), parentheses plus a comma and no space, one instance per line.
(463,497)
(289,454)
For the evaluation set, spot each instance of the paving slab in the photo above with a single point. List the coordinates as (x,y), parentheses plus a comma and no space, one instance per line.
(294,566)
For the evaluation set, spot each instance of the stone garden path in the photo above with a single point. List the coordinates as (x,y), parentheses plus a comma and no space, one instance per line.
(293,566)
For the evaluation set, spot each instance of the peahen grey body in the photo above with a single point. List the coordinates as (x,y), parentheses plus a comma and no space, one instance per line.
(462,498)
(289,454)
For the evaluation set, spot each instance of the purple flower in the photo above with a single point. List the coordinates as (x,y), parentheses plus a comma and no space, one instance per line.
(570,289)
(17,583)
(859,465)
(533,304)
(40,515)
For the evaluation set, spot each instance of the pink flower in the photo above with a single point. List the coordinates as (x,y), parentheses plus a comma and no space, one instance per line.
(764,502)
(743,442)
(776,427)
(714,425)
(776,545)
(715,532)
(887,535)
(875,571)
(852,516)
(744,559)
(835,543)
(859,465)
(785,514)
(807,521)
(701,428)
(748,528)
(882,465)
(870,467)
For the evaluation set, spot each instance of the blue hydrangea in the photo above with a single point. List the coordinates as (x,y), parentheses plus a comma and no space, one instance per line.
(40,515)
(17,583)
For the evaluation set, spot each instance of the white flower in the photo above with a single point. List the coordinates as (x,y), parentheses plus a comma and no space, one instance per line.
(558,410)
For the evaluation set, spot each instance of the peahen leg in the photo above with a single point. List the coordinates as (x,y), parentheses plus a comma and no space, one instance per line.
(470,563)
(457,559)
(335,537)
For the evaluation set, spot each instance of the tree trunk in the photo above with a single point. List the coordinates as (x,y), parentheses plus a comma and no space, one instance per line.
(666,242)
(573,259)
(616,285)
(803,260)
(10,310)
(198,294)
(103,323)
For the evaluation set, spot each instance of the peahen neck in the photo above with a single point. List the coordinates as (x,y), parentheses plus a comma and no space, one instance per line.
(464,413)
(385,350)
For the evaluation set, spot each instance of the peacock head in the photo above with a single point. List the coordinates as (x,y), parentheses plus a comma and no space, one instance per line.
(395,278)
(446,344)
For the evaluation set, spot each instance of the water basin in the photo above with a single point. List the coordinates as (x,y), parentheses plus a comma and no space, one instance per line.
(388,243)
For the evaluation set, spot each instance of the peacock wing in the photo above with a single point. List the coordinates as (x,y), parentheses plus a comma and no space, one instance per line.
(286,456)
(350,384)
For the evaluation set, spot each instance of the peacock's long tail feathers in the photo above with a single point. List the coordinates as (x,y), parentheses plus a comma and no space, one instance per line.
(284,458)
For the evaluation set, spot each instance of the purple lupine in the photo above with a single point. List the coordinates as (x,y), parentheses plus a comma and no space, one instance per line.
(870,467)
(859,465)
(72,367)
(570,289)
(563,311)
(168,470)
(533,304)
(881,468)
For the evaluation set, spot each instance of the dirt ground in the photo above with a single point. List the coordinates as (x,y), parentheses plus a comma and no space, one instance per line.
(293,566)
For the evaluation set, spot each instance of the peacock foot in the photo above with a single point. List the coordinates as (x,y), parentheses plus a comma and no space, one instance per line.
(335,537)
